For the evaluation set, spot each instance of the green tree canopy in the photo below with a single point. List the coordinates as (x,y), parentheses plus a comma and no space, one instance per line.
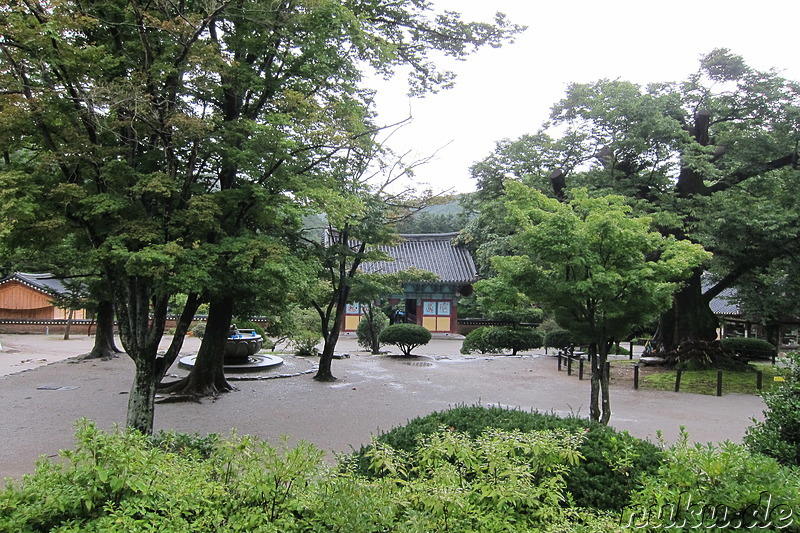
(600,270)
(161,131)
(711,159)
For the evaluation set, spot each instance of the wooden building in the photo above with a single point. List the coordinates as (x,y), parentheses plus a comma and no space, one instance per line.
(30,297)
(429,304)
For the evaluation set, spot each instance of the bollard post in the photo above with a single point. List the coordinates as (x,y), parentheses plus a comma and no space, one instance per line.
(559,360)
(630,351)
(580,369)
(759,379)
(719,382)
(636,376)
(569,365)
(678,381)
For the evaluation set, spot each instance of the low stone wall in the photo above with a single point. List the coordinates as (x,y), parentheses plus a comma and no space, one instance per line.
(79,327)
(46,327)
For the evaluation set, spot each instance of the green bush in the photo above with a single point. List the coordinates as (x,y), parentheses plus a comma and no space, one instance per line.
(778,435)
(368,331)
(499,481)
(748,348)
(514,339)
(305,331)
(618,349)
(613,461)
(558,338)
(475,341)
(405,336)
(492,339)
(198,330)
(724,487)
(248,324)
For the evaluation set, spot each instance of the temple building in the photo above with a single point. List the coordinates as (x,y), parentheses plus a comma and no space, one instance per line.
(30,297)
(431,304)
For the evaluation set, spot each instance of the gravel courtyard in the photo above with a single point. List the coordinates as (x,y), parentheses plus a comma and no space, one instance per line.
(44,390)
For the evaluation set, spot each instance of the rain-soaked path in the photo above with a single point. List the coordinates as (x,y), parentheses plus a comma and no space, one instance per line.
(373,393)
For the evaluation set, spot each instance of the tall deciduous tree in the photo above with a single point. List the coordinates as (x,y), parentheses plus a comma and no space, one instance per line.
(705,157)
(159,130)
(598,268)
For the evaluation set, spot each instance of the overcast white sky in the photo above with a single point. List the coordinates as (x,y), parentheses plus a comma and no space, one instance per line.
(506,92)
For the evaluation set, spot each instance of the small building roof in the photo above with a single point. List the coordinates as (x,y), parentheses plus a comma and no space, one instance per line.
(44,282)
(433,252)
(725,303)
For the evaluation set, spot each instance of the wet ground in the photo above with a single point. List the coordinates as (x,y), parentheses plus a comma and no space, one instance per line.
(43,393)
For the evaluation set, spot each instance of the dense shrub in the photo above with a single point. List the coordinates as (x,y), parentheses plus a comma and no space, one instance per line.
(716,488)
(475,341)
(618,349)
(778,435)
(500,481)
(405,336)
(198,330)
(558,338)
(514,339)
(613,461)
(369,330)
(492,339)
(748,348)
(248,324)
(305,332)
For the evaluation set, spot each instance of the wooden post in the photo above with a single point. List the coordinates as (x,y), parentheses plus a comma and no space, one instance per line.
(759,379)
(630,352)
(719,382)
(678,381)
(569,365)
(636,376)
(580,369)
(559,360)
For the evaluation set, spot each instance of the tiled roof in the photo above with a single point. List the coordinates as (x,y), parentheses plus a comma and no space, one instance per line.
(433,252)
(43,282)
(725,303)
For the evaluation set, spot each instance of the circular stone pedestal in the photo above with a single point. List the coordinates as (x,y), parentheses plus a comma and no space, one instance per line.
(255,363)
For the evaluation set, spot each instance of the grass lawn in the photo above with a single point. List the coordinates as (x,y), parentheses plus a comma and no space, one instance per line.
(705,381)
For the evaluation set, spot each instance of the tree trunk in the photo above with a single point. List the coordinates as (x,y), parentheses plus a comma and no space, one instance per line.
(104,346)
(141,403)
(140,334)
(68,328)
(324,372)
(331,337)
(594,394)
(163,364)
(689,319)
(605,393)
(207,377)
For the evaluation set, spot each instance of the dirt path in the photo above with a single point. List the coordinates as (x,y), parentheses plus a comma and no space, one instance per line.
(373,393)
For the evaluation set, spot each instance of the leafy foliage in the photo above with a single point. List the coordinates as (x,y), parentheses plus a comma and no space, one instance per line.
(514,339)
(612,461)
(748,347)
(369,329)
(723,487)
(778,435)
(476,341)
(494,339)
(405,336)
(598,268)
(694,155)
(558,338)
(305,334)
(501,481)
